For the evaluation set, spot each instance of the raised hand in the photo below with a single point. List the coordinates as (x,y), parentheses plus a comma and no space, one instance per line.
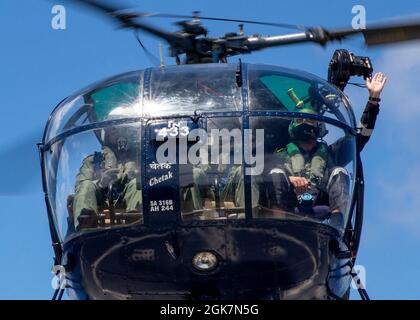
(376,84)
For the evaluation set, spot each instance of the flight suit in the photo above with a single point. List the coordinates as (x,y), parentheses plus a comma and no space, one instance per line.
(273,190)
(234,190)
(91,195)
(330,183)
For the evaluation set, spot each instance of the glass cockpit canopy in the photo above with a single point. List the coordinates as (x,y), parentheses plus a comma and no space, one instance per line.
(199,89)
(86,132)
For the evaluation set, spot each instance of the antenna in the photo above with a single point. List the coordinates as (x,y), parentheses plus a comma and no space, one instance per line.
(241,29)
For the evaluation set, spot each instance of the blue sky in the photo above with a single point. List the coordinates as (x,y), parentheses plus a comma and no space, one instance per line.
(40,66)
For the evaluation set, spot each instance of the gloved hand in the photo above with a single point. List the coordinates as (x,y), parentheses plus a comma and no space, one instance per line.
(300,184)
(108,177)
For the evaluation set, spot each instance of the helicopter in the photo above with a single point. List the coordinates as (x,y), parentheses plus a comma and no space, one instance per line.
(160,226)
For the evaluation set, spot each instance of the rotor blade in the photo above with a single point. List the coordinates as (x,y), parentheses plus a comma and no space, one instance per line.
(376,35)
(105,8)
(391,34)
(126,20)
(110,10)
(381,34)
(178,16)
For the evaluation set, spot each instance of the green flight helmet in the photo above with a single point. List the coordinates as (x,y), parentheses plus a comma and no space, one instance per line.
(303,129)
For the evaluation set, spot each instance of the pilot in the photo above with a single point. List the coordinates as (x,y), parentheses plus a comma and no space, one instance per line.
(306,163)
(196,189)
(308,172)
(108,176)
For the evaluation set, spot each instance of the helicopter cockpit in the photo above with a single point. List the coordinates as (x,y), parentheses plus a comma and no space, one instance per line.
(196,144)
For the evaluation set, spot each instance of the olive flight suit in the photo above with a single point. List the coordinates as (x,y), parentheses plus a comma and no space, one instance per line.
(90,189)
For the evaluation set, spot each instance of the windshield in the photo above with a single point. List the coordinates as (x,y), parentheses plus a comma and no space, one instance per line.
(286,90)
(198,88)
(291,155)
(291,175)
(204,180)
(120,97)
(94,185)
(309,171)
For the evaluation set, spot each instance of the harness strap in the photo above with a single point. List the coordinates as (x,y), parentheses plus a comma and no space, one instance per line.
(318,165)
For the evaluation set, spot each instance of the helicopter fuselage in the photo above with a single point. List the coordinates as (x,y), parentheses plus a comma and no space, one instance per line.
(240,247)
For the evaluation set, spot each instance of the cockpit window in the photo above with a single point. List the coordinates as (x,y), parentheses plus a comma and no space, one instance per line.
(283,90)
(119,97)
(309,170)
(92,182)
(195,89)
(106,175)
(206,188)
(110,100)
